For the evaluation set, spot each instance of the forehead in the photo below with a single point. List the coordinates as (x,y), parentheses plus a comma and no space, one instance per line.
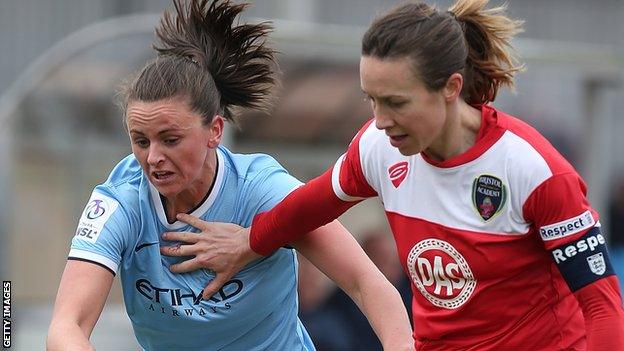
(387,76)
(173,112)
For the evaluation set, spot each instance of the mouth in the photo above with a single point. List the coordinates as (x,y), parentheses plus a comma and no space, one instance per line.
(396,140)
(162,175)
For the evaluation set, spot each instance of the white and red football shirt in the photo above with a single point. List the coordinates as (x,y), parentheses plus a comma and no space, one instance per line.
(468,234)
(473,233)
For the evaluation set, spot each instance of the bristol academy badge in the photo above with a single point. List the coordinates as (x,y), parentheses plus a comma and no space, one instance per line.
(488,196)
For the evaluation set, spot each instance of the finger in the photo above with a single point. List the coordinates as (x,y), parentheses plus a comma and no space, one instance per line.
(215,285)
(207,226)
(185,266)
(192,220)
(177,250)
(187,237)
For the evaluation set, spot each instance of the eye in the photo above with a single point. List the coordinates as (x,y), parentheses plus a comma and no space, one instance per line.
(141,142)
(370,100)
(171,141)
(396,104)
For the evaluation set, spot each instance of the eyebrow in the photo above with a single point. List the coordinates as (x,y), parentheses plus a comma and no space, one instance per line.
(385,97)
(164,131)
(382,97)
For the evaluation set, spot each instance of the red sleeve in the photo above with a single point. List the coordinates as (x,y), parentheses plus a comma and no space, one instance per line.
(601,303)
(303,210)
(351,179)
(316,203)
(559,210)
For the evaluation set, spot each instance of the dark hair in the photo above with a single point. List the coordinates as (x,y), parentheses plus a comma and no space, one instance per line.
(204,57)
(468,39)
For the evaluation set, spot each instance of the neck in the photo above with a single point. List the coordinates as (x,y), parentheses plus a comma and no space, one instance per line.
(190,198)
(458,134)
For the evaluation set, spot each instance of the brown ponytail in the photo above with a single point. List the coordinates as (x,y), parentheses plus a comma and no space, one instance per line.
(468,39)
(204,56)
(489,64)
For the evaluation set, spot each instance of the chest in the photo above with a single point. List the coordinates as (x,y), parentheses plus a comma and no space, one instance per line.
(482,197)
(458,229)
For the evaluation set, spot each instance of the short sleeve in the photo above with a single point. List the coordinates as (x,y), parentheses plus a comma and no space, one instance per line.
(102,233)
(348,179)
(559,210)
(268,188)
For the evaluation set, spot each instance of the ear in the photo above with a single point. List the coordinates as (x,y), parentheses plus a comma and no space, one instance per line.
(216,132)
(452,89)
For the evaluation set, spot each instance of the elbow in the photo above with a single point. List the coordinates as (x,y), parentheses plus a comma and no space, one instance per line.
(66,336)
(369,286)
(53,338)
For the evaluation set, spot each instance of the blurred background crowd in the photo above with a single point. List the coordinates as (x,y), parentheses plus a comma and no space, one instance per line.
(60,132)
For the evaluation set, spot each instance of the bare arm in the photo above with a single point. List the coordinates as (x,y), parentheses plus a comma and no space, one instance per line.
(335,252)
(79,302)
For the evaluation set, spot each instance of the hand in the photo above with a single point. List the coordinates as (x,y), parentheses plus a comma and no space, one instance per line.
(220,247)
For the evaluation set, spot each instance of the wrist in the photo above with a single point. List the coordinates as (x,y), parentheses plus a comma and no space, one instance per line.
(409,347)
(248,253)
(404,346)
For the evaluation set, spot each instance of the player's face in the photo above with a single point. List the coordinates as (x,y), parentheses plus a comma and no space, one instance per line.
(412,116)
(174,149)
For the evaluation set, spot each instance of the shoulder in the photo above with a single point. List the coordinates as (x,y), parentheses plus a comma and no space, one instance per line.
(122,185)
(247,167)
(258,182)
(528,158)
(371,151)
(370,145)
(368,136)
(127,172)
(539,176)
(530,147)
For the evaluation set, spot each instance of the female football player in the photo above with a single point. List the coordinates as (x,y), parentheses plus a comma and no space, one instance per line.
(177,177)
(492,224)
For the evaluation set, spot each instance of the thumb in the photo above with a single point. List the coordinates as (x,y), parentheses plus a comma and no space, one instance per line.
(214,286)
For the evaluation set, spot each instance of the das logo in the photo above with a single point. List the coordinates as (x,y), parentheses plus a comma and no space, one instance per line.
(397,173)
(440,273)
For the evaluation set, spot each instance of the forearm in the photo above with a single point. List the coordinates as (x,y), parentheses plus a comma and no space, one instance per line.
(79,302)
(604,317)
(67,336)
(335,252)
(303,210)
(382,305)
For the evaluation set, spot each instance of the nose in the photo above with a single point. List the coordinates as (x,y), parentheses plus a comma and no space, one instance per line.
(382,119)
(155,155)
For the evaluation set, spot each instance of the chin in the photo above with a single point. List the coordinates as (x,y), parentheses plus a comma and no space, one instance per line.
(409,151)
(166,191)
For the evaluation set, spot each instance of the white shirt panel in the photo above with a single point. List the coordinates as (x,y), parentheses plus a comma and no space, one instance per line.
(444,195)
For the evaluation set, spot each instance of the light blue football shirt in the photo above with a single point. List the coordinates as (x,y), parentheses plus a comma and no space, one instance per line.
(120,229)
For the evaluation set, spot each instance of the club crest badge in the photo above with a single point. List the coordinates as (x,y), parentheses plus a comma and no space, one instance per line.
(488,196)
